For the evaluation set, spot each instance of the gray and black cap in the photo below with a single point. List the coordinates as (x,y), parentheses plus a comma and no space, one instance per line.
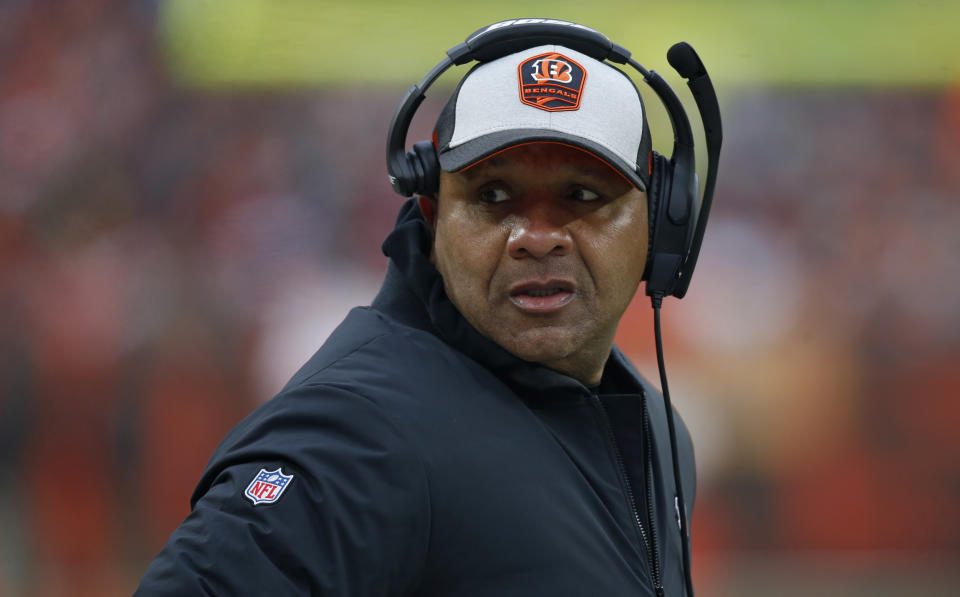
(546,94)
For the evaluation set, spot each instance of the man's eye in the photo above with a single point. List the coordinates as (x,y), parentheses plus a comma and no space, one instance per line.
(582,194)
(493,195)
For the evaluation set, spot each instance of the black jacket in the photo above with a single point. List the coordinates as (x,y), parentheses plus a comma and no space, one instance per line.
(428,461)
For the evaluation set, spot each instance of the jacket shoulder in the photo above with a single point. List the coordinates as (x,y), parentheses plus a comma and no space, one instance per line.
(357,494)
(349,377)
(371,341)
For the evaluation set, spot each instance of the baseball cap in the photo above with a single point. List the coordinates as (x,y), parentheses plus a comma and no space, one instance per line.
(548,93)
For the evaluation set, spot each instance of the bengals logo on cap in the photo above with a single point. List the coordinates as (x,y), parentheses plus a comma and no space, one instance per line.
(551,82)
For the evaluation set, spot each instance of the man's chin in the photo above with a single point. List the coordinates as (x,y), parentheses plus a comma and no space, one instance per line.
(542,346)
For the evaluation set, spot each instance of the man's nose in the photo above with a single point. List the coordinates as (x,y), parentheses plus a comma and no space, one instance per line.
(539,231)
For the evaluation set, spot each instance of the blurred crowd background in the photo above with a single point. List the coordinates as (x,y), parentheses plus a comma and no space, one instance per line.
(192,194)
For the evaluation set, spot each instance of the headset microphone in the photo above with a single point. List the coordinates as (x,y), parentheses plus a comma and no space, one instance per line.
(685,61)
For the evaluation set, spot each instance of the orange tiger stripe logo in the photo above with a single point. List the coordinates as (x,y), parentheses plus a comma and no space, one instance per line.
(551,82)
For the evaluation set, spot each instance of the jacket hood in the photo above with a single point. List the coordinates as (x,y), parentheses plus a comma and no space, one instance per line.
(413,293)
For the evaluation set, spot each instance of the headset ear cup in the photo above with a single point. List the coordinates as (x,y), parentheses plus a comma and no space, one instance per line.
(402,176)
(660,176)
(423,159)
(413,174)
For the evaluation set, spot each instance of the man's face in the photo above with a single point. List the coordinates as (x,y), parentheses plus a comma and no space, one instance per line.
(541,248)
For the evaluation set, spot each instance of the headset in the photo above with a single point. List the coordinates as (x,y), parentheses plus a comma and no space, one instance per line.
(678,215)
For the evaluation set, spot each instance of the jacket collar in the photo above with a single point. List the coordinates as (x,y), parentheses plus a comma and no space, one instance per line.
(413,293)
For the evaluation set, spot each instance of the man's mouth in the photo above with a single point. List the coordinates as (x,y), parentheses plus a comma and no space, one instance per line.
(542,296)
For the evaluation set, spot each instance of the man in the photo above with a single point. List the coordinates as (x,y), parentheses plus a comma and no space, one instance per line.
(474,431)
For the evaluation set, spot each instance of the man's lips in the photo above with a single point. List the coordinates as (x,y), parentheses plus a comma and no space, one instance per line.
(542,296)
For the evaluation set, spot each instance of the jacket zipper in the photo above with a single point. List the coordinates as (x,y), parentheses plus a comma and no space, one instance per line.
(651,513)
(653,558)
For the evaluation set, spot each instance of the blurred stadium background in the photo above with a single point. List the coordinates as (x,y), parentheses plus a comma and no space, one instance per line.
(192,193)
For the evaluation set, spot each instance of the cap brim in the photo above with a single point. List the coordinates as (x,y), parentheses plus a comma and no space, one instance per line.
(476,150)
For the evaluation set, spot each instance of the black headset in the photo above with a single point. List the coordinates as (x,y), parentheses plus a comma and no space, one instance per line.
(678,217)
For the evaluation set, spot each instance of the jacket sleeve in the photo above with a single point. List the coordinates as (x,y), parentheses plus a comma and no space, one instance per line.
(353,520)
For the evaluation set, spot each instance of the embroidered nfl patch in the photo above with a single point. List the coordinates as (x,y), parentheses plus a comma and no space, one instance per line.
(551,82)
(267,486)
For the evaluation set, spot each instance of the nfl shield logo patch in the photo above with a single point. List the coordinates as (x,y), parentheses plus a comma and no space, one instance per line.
(267,486)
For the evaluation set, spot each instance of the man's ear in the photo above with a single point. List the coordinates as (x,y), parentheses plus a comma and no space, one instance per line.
(428,207)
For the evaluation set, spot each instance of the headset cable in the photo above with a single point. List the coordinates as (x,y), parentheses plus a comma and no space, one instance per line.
(657,301)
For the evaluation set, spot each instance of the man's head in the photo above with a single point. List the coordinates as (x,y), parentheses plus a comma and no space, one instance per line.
(541,222)
(541,248)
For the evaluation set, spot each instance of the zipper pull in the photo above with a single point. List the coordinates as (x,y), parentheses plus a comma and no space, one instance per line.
(660,592)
